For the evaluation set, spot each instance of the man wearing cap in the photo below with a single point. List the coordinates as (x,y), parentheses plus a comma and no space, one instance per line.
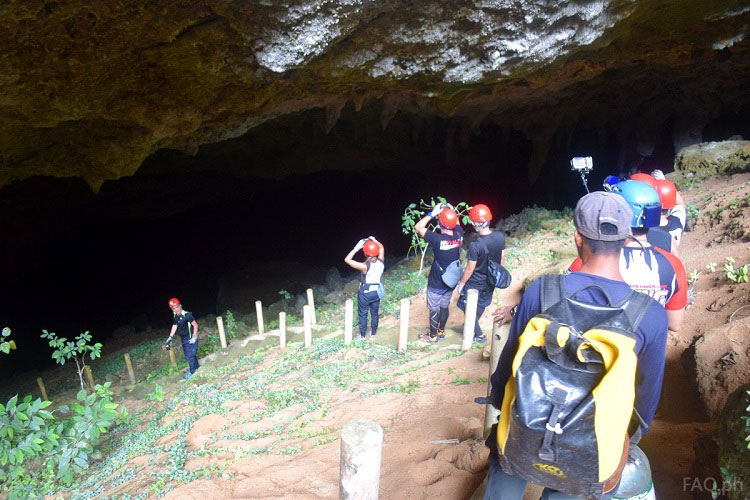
(184,323)
(602,222)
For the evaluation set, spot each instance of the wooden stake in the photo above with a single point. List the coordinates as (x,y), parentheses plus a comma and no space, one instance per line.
(222,337)
(404,325)
(171,357)
(282,329)
(472,296)
(306,313)
(130,369)
(348,318)
(359,466)
(498,339)
(311,303)
(90,377)
(259,314)
(41,388)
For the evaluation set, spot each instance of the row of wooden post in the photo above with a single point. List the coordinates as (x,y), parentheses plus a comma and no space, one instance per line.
(308,315)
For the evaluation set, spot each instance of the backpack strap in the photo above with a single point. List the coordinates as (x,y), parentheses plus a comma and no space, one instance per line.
(551,290)
(636,306)
(546,451)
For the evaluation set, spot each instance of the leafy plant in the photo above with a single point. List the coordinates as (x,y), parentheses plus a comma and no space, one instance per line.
(711,266)
(231,324)
(6,345)
(693,278)
(414,213)
(735,275)
(24,434)
(32,439)
(286,295)
(64,350)
(91,416)
(157,394)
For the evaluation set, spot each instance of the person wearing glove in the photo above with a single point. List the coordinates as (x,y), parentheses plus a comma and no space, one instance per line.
(446,248)
(184,323)
(371,273)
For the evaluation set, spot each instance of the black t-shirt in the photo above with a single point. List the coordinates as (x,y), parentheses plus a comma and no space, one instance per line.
(659,237)
(494,243)
(447,248)
(184,324)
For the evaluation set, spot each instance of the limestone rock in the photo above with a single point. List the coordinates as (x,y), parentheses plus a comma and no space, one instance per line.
(709,158)
(275,308)
(351,288)
(90,89)
(333,279)
(336,297)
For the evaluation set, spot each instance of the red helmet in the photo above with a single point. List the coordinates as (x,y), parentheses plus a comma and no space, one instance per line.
(448,218)
(644,178)
(480,214)
(667,193)
(371,248)
(173,302)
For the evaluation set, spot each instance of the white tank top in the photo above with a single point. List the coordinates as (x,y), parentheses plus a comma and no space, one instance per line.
(373,275)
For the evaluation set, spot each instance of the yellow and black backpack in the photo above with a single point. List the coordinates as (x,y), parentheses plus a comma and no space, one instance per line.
(569,401)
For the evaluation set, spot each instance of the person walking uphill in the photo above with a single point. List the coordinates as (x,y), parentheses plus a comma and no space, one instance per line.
(445,270)
(571,382)
(370,288)
(184,323)
(488,246)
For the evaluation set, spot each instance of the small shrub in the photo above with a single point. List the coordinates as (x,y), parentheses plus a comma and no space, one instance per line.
(6,345)
(65,350)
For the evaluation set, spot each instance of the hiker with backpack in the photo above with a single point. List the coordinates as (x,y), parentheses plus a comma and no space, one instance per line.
(581,372)
(485,254)
(645,267)
(371,289)
(446,268)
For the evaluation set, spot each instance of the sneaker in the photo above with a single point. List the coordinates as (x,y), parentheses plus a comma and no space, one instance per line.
(441,335)
(480,339)
(426,337)
(187,376)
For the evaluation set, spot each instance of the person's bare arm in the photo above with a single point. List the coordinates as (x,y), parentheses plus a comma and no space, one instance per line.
(359,266)
(674,319)
(470,266)
(195,329)
(421,226)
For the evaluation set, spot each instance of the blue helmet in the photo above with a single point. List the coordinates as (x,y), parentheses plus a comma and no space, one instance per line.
(643,200)
(610,181)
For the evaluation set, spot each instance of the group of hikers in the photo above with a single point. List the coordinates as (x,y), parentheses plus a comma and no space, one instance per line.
(579,378)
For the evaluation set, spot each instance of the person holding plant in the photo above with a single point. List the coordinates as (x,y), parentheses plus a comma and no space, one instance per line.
(445,270)
(184,323)
(370,288)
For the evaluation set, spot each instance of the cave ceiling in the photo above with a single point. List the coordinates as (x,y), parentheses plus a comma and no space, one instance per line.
(91,89)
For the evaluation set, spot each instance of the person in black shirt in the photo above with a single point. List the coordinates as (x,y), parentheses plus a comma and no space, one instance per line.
(184,323)
(446,248)
(489,245)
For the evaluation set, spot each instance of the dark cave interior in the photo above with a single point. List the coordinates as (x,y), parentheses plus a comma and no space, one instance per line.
(76,261)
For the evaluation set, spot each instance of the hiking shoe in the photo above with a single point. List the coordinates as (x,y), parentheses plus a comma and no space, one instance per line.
(187,376)
(480,339)
(426,337)
(441,335)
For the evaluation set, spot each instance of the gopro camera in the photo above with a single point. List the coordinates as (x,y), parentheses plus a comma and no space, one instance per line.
(582,163)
